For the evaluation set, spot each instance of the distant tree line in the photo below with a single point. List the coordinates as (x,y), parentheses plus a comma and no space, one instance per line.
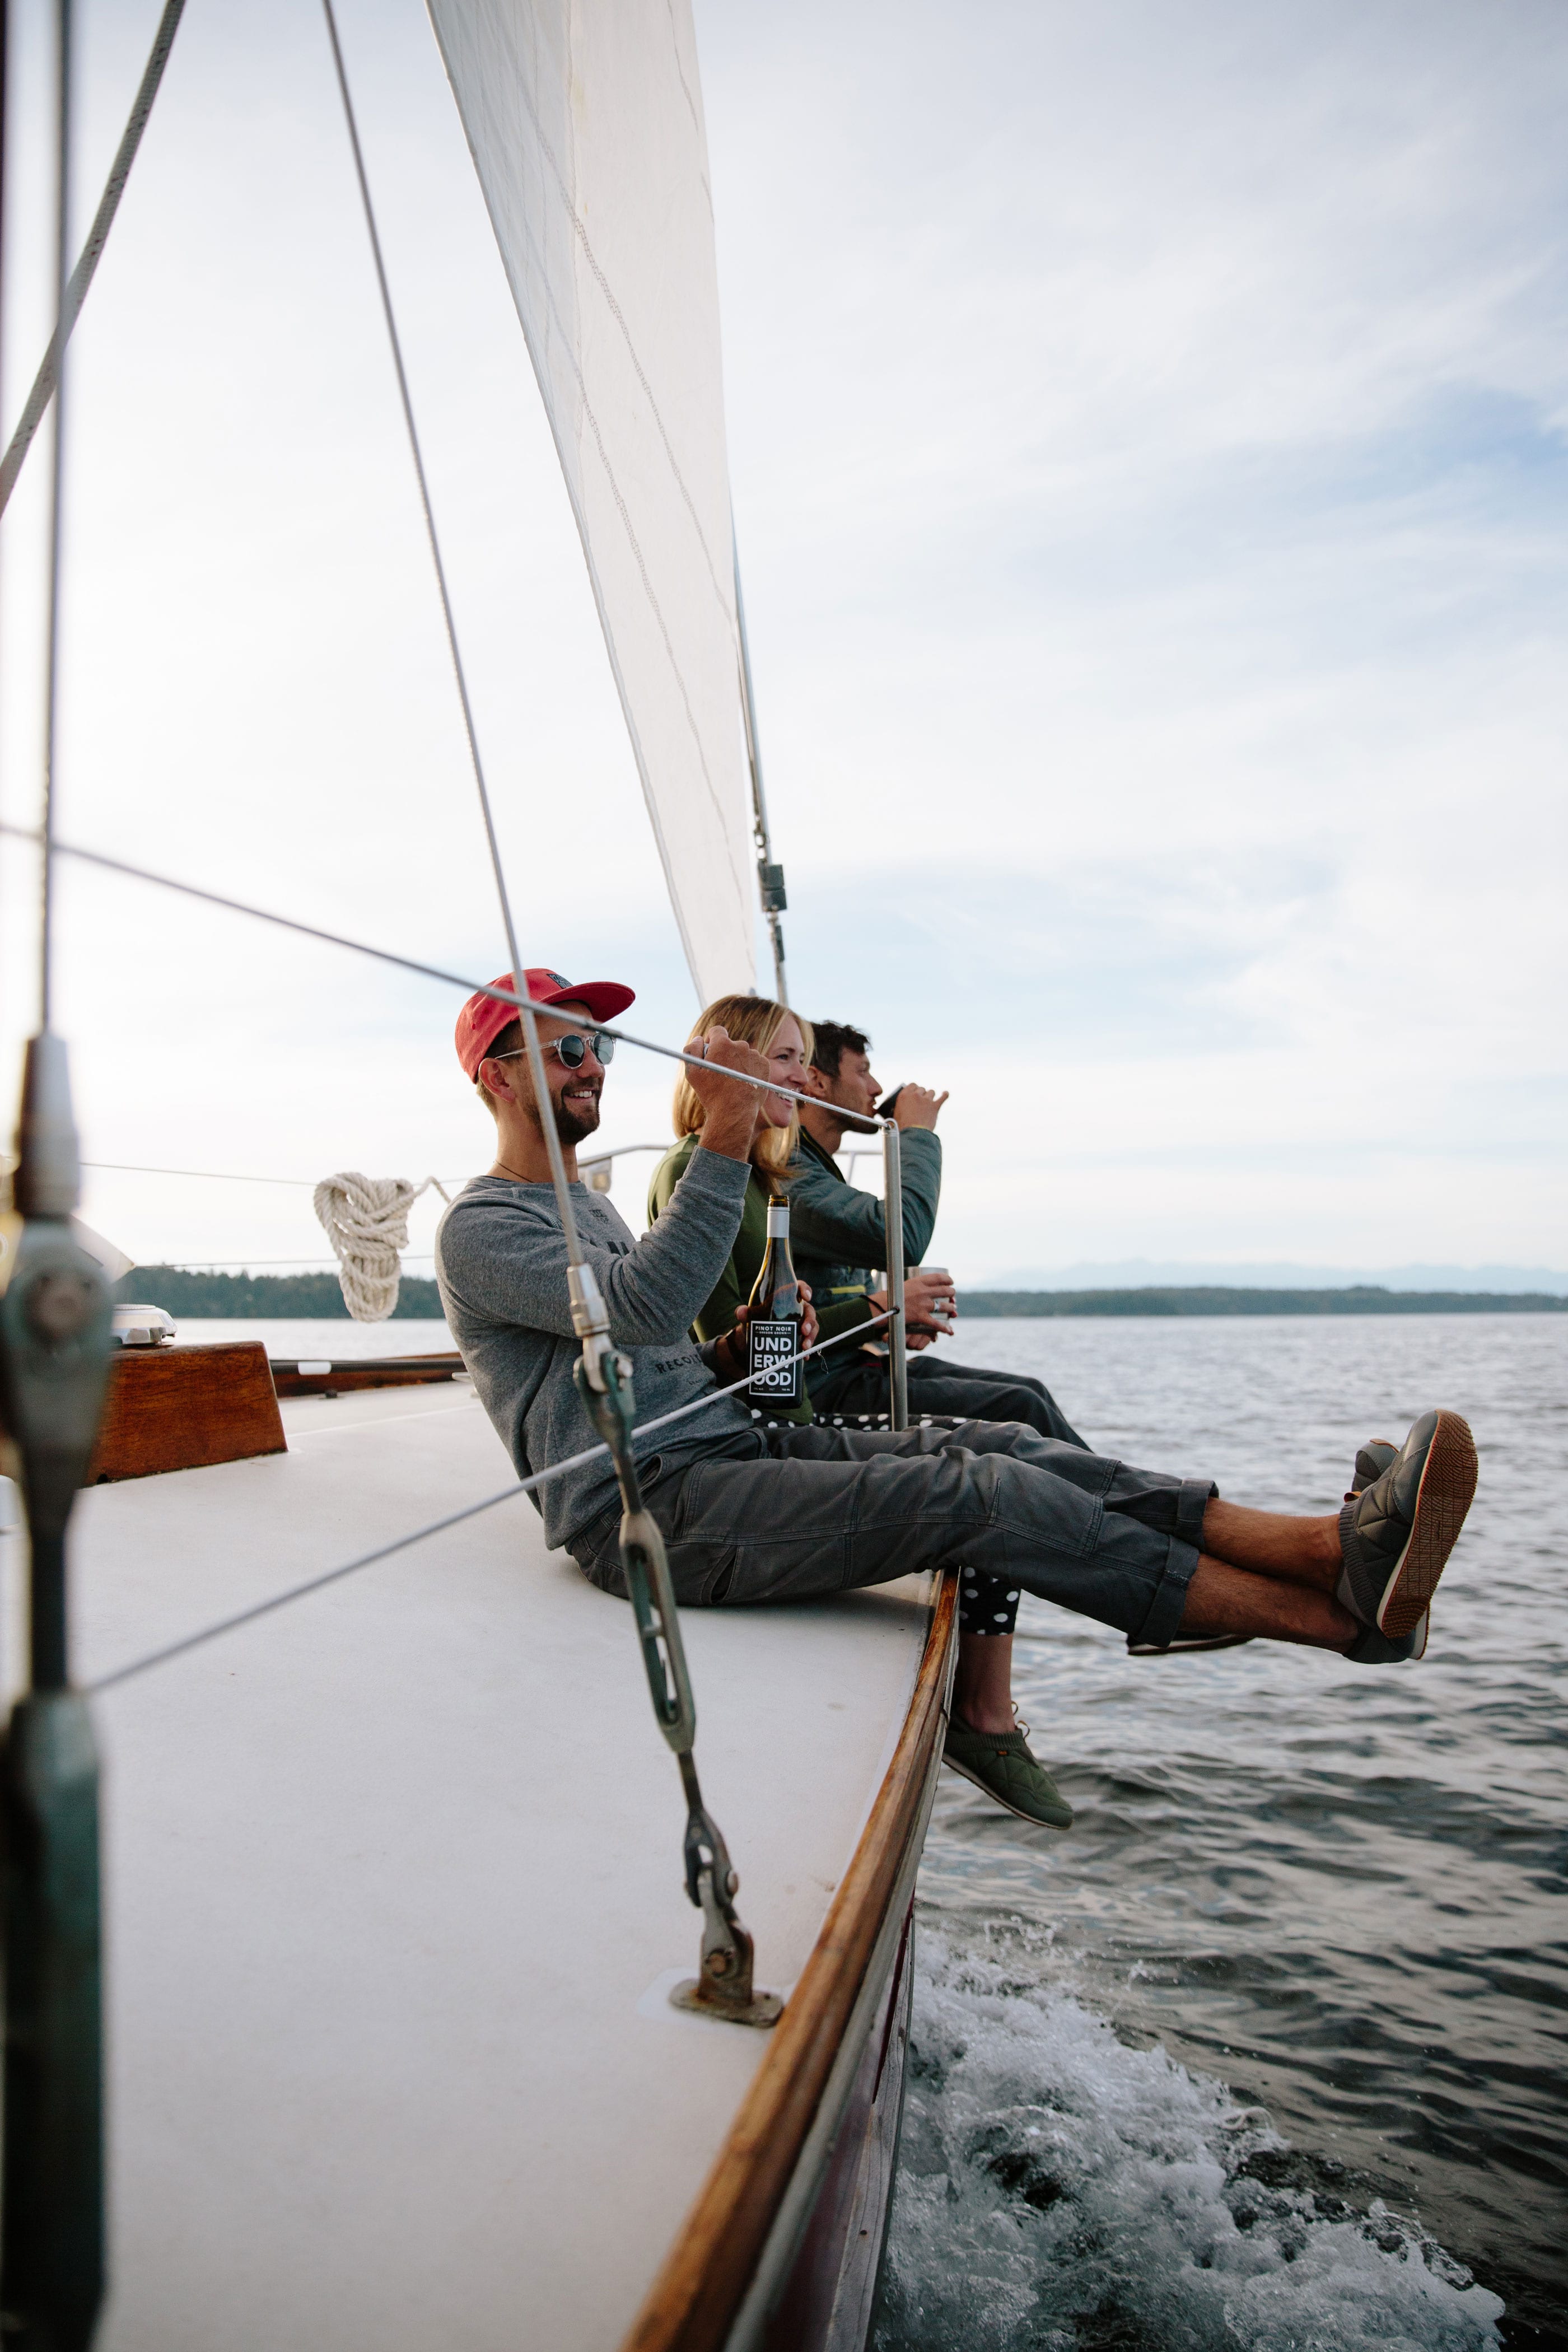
(246,1297)
(1363,1299)
(316,1297)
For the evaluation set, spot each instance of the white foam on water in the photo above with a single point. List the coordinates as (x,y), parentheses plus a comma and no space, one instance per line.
(1062,2192)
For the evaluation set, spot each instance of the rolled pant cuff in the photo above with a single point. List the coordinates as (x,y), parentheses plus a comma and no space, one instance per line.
(1193,1500)
(1164,1616)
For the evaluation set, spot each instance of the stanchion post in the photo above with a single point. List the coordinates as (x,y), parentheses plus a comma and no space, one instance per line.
(893,1218)
(55,1318)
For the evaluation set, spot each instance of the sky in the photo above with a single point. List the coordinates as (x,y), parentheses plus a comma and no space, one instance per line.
(1147,428)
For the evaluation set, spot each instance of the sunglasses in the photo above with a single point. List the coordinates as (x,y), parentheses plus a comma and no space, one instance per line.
(571,1051)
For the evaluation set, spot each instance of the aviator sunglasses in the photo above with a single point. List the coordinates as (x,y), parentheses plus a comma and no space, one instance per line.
(571,1051)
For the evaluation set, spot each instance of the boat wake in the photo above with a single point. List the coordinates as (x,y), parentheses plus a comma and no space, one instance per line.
(1058,2188)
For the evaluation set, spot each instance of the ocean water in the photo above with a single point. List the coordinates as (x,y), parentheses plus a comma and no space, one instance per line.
(325,1336)
(1272,2049)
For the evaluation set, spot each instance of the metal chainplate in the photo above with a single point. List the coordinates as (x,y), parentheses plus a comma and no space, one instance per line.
(724,1988)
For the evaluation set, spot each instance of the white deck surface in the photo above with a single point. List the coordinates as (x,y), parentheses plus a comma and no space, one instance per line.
(388,1876)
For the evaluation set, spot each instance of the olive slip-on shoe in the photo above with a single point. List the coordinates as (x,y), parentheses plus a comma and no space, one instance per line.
(1000,1763)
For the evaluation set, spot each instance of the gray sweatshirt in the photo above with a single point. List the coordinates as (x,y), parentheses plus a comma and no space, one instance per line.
(501,1261)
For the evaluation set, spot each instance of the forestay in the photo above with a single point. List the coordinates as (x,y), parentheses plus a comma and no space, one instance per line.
(586,125)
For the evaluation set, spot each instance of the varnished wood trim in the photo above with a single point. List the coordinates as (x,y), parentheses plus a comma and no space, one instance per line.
(699,2289)
(362,1372)
(186,1409)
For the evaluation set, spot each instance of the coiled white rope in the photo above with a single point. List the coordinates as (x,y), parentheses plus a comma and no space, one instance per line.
(365,1219)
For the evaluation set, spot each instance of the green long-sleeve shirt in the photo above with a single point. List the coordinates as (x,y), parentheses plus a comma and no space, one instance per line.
(839,1234)
(738,1280)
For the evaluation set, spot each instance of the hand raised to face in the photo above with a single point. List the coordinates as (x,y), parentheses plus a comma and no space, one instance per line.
(917,1106)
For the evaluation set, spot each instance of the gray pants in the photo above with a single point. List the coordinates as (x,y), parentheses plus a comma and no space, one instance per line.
(962,1391)
(825,1510)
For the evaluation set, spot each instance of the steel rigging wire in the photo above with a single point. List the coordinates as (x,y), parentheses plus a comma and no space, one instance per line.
(81,276)
(524,1006)
(530,1029)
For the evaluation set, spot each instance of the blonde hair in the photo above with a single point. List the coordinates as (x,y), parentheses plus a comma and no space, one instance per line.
(756,1020)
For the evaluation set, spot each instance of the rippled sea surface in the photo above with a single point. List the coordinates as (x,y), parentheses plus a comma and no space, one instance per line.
(1272,2049)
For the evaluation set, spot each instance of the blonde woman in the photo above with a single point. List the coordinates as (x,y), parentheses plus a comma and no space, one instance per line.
(784,1040)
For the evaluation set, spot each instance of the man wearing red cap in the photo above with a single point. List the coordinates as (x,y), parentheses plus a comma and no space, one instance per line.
(483,1017)
(792,1512)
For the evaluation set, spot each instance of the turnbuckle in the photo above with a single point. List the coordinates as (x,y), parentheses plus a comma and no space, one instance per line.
(591,1322)
(723,1988)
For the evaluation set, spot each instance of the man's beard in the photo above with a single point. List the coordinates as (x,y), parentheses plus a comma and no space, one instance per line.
(577,1121)
(856,1122)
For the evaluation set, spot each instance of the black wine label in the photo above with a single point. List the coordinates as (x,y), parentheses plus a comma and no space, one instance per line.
(769,1346)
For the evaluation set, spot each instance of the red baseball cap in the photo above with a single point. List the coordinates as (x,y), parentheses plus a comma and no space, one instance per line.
(483,1018)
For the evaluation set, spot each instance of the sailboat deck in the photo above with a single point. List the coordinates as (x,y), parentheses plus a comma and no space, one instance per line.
(394,1895)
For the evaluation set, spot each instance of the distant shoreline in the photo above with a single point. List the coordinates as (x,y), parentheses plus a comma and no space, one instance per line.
(263,1298)
(247,1297)
(1212,1298)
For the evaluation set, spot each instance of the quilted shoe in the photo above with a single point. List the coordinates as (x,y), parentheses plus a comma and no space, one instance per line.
(1396,1534)
(1371,1460)
(1371,1648)
(1000,1763)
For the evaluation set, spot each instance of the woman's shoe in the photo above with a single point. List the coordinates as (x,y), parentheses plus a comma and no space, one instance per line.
(1000,1763)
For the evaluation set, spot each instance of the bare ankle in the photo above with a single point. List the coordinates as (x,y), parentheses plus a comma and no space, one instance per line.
(989,1722)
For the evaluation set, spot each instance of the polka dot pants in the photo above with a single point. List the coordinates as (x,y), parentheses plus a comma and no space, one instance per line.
(986,1605)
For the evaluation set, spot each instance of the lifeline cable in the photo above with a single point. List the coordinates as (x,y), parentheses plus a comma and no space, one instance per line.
(439,1526)
(207,1175)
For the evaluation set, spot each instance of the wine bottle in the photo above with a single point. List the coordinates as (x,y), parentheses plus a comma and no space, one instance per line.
(773,1326)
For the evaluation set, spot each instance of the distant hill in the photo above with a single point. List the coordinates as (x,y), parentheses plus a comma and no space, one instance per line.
(317,1297)
(251,1296)
(1362,1298)
(1193,1274)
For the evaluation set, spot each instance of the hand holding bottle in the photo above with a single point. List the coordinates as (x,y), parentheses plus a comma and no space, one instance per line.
(735,1338)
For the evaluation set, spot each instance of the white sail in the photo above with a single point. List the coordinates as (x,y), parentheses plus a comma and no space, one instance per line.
(584,118)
